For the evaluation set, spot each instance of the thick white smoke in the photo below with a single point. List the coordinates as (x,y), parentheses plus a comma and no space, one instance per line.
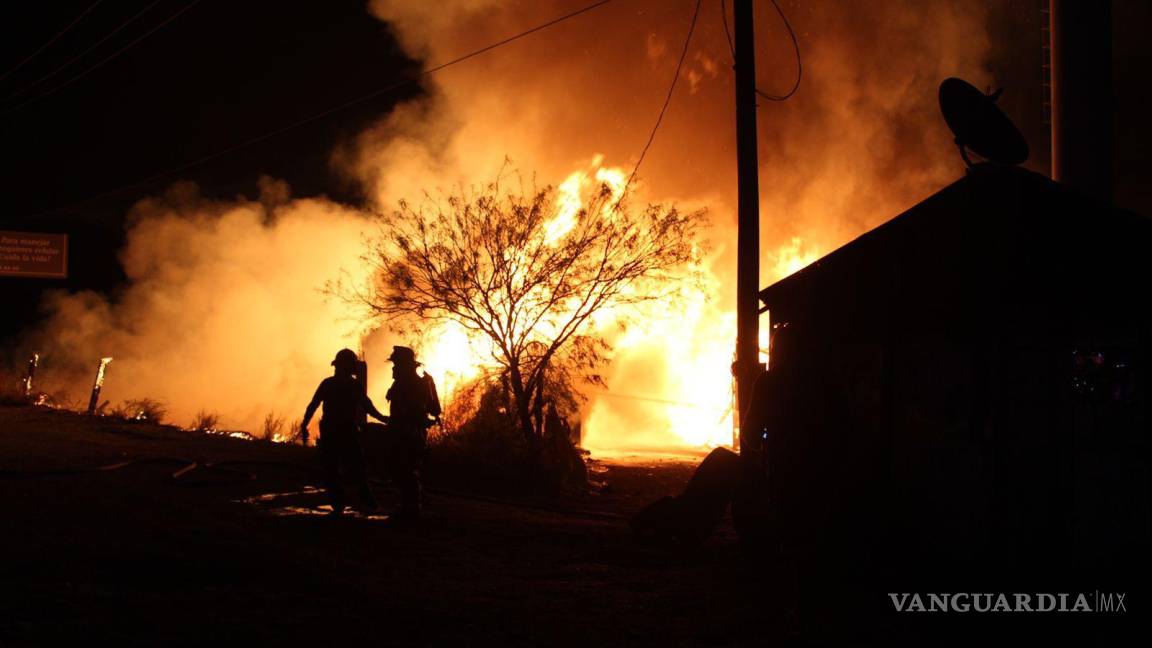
(223,310)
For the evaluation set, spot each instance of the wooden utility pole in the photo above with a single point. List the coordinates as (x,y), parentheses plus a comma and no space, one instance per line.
(748,210)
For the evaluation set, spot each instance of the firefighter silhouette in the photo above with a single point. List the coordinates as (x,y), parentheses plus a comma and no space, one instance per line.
(413,407)
(345,401)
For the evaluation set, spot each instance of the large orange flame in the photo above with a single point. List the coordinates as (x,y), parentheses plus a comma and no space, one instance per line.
(686,343)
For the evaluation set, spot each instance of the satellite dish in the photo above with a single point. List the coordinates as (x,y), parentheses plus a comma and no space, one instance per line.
(979,125)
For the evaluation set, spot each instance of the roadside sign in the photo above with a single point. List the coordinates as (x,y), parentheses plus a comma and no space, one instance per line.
(33,254)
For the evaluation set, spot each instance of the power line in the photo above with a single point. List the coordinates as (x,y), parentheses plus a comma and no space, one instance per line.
(664,108)
(724,411)
(727,32)
(55,38)
(335,109)
(799,63)
(795,47)
(102,61)
(81,55)
(658,401)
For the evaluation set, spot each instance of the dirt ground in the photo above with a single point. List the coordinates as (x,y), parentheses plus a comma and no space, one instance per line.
(135,557)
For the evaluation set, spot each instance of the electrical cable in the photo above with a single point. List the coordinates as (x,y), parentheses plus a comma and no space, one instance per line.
(664,108)
(81,55)
(727,32)
(325,113)
(799,63)
(663,401)
(101,62)
(52,40)
(653,399)
(795,47)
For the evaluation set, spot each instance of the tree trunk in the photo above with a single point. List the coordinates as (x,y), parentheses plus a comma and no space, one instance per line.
(538,407)
(523,406)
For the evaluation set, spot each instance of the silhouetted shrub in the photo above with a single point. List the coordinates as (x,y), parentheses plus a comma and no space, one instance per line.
(205,421)
(480,445)
(272,429)
(140,409)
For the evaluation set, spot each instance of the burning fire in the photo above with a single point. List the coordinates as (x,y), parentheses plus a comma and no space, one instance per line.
(686,344)
(569,200)
(454,357)
(791,258)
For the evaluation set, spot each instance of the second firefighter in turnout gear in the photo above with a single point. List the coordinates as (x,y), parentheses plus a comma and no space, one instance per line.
(414,407)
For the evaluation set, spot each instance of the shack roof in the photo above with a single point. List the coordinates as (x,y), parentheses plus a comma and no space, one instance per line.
(1001,242)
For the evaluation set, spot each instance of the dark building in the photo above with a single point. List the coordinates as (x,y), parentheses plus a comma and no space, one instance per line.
(964,392)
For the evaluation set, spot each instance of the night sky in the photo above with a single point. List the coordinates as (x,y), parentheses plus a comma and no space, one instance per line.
(222,73)
(217,75)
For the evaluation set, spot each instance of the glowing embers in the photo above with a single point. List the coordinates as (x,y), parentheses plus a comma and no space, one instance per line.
(234,434)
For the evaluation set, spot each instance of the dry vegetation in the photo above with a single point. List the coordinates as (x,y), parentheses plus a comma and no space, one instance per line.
(140,409)
(480,445)
(272,429)
(205,421)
